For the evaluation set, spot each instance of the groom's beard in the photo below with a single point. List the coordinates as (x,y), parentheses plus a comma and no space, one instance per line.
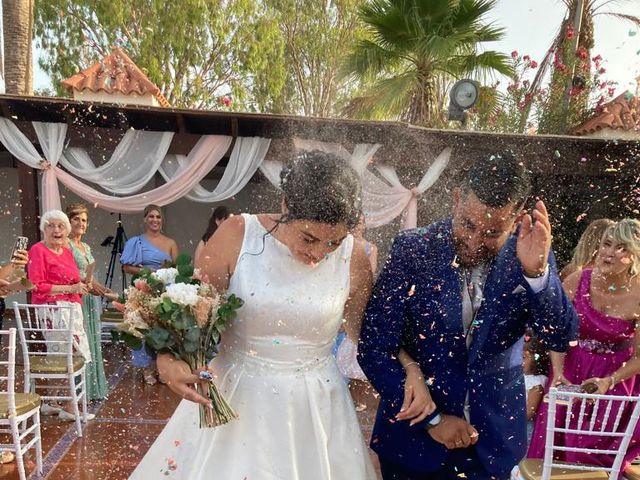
(472,258)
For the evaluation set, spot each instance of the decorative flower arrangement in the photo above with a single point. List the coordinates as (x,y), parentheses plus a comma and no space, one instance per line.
(174,311)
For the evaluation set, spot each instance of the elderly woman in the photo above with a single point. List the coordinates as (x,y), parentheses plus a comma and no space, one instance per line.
(96,379)
(56,277)
(150,250)
(606,358)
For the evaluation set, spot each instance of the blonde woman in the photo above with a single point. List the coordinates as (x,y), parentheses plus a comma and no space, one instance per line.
(587,248)
(607,355)
(150,250)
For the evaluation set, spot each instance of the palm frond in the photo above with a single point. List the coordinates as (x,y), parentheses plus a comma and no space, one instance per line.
(622,16)
(386,99)
(368,58)
(490,33)
(483,63)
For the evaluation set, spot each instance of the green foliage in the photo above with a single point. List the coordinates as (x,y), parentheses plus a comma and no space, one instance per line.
(194,50)
(508,111)
(317,36)
(414,50)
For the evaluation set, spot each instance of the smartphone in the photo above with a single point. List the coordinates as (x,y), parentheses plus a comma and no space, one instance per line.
(21,243)
(565,399)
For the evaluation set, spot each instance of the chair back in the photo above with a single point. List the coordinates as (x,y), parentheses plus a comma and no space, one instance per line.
(45,331)
(8,366)
(613,417)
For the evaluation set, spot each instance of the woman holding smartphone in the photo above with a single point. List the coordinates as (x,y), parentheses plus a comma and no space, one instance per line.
(8,272)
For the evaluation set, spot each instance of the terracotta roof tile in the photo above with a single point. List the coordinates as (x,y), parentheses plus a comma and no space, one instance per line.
(622,113)
(115,73)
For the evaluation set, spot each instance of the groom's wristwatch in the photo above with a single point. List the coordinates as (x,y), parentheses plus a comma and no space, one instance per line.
(435,421)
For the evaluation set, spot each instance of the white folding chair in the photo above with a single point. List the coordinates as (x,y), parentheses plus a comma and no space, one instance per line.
(581,418)
(48,343)
(16,409)
(109,321)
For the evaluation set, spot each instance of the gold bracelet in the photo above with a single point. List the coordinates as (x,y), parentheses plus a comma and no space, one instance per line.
(411,363)
(613,381)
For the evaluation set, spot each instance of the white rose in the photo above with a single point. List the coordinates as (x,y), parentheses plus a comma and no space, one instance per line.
(166,275)
(182,294)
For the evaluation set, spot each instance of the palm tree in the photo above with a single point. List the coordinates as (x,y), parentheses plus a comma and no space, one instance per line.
(17,17)
(559,56)
(414,50)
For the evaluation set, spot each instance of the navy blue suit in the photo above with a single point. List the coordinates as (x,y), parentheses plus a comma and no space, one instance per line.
(417,305)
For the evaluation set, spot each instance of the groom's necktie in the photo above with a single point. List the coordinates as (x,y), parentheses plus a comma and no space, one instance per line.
(473,284)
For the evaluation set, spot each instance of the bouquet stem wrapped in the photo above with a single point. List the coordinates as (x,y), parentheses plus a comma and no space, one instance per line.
(176,312)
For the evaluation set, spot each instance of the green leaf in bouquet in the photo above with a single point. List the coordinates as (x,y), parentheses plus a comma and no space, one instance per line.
(183,259)
(193,334)
(157,338)
(167,304)
(115,336)
(215,335)
(132,342)
(235,302)
(183,321)
(183,279)
(227,310)
(185,270)
(190,347)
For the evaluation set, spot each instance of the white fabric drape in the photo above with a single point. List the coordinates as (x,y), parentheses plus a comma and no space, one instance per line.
(362,153)
(385,200)
(51,137)
(247,156)
(132,165)
(271,169)
(201,160)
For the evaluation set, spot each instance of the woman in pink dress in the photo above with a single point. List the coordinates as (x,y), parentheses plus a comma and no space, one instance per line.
(53,271)
(608,349)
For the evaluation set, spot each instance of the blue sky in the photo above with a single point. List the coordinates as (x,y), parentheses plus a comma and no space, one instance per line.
(530,27)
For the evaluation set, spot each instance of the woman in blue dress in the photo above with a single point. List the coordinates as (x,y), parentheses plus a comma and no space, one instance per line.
(150,250)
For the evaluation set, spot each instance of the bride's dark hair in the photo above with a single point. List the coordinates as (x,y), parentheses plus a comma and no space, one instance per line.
(321,187)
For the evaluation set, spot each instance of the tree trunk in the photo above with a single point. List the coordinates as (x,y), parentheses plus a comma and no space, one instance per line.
(17,17)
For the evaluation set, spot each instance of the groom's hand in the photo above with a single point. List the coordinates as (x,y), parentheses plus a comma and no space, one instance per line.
(534,241)
(454,432)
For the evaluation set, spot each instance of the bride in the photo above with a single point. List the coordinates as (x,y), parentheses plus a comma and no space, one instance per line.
(300,274)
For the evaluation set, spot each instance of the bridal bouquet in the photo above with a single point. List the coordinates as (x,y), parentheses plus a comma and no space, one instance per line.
(174,311)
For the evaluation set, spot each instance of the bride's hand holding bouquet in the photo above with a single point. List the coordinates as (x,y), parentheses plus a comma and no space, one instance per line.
(181,316)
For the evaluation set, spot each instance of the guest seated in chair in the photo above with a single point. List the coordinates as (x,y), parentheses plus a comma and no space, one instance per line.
(56,277)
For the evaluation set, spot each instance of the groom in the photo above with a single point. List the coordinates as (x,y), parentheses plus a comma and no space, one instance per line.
(457,296)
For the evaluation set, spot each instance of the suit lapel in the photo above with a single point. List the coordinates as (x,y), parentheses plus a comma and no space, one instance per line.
(499,279)
(450,275)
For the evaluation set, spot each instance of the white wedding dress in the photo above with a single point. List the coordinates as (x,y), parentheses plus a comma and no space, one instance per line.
(296,417)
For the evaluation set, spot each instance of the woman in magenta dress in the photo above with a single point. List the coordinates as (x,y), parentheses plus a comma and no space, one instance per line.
(608,348)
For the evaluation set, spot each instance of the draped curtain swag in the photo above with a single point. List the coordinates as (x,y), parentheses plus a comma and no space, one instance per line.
(140,154)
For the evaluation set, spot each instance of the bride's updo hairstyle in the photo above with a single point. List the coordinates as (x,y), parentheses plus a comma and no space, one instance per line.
(321,187)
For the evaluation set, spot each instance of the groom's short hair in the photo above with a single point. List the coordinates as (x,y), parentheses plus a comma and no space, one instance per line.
(499,180)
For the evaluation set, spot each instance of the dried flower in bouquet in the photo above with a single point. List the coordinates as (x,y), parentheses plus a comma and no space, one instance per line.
(176,312)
